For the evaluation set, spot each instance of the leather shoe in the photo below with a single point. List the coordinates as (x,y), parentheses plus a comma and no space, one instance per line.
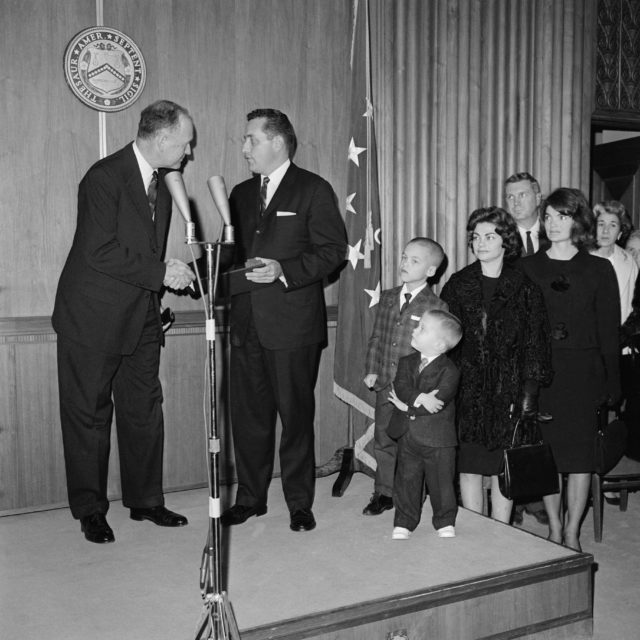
(302,520)
(518,515)
(540,515)
(240,513)
(159,515)
(377,505)
(96,529)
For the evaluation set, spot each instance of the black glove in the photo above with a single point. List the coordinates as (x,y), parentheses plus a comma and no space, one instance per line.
(529,408)
(612,390)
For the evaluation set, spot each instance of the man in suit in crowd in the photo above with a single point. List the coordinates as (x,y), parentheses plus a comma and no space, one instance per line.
(107,317)
(523,195)
(287,219)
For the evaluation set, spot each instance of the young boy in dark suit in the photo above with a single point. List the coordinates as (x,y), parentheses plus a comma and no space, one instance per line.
(397,315)
(423,421)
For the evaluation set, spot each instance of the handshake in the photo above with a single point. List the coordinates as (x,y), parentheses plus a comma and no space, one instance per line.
(178,275)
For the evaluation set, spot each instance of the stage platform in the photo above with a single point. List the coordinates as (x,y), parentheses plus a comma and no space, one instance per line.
(347,579)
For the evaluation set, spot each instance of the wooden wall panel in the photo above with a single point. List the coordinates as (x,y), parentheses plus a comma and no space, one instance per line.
(31,458)
(48,141)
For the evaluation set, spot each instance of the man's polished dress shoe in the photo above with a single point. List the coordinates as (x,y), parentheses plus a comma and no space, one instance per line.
(240,513)
(377,505)
(302,520)
(159,515)
(96,529)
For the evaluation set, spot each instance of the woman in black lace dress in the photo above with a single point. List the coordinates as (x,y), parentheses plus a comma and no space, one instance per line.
(581,296)
(503,357)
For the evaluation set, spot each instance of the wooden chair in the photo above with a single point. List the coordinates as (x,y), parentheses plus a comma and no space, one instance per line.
(624,477)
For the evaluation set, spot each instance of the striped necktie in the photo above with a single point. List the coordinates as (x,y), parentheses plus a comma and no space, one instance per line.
(407,300)
(152,194)
(263,196)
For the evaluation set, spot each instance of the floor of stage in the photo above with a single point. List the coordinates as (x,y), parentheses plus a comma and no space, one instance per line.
(55,585)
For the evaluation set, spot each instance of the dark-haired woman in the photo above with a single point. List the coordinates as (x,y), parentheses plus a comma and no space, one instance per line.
(581,295)
(503,357)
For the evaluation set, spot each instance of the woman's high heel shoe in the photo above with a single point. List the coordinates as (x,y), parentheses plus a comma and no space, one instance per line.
(572,543)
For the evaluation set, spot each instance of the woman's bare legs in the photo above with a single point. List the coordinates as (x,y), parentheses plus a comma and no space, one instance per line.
(552,505)
(471,492)
(500,506)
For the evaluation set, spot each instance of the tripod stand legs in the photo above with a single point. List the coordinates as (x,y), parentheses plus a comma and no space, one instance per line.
(217,621)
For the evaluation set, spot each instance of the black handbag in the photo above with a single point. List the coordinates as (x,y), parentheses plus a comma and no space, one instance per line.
(528,470)
(611,441)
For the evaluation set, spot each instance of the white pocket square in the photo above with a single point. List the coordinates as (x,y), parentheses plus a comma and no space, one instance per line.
(416,318)
(286,213)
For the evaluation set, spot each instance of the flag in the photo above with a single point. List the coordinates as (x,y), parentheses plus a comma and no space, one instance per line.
(359,286)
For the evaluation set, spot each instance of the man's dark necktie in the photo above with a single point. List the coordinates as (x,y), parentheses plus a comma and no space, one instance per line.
(407,300)
(423,363)
(529,246)
(152,194)
(263,196)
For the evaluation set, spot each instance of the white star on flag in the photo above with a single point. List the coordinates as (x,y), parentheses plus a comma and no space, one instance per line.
(354,152)
(354,254)
(349,201)
(375,295)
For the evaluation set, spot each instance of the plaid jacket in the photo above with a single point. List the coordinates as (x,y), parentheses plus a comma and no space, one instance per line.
(391,336)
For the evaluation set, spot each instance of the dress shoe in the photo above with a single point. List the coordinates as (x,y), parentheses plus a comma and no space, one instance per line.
(96,529)
(159,515)
(302,520)
(240,513)
(613,499)
(377,505)
(400,533)
(540,515)
(518,515)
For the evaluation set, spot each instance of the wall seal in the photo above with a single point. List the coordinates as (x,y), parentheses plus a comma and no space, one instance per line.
(104,68)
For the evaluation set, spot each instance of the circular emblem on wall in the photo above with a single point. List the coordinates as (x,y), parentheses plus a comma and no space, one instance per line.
(104,68)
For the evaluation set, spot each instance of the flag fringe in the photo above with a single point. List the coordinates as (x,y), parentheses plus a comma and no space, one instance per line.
(353,400)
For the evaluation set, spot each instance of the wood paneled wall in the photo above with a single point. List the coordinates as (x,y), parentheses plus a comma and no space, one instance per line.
(465,91)
(218,58)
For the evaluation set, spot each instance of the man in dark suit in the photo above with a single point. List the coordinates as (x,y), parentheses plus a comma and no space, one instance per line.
(107,317)
(523,195)
(288,220)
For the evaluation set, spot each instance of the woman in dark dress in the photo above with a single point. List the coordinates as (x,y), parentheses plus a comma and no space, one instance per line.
(581,295)
(503,357)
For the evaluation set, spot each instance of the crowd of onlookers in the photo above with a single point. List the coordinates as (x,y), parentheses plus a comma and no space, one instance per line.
(541,324)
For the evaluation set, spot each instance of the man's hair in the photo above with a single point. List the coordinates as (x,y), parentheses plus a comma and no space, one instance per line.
(450,327)
(436,252)
(573,203)
(523,175)
(506,228)
(277,124)
(162,114)
(619,210)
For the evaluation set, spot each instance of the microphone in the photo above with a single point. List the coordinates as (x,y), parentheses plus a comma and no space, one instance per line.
(175,184)
(219,194)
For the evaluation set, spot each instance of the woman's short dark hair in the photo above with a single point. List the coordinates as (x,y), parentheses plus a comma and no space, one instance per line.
(506,228)
(617,209)
(276,123)
(573,203)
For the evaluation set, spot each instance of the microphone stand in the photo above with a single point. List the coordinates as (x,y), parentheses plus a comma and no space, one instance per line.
(217,621)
